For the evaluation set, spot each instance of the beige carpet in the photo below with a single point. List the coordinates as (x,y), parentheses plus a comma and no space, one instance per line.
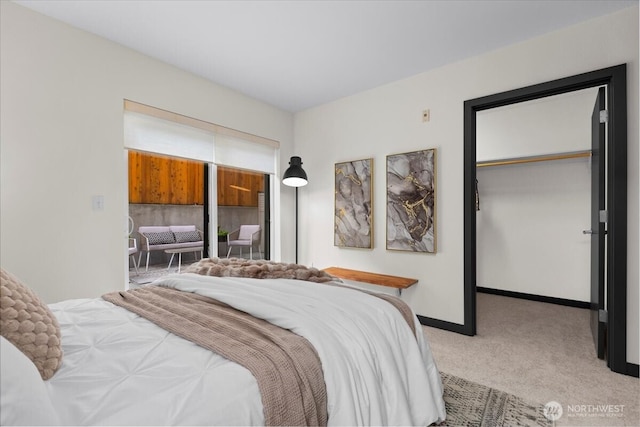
(541,353)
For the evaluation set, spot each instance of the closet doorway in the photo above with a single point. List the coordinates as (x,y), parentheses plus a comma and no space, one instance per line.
(614,313)
(534,191)
(534,172)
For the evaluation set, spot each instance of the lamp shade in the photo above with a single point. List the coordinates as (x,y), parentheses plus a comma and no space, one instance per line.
(295,176)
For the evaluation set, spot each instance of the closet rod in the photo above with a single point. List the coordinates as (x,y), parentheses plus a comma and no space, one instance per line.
(541,158)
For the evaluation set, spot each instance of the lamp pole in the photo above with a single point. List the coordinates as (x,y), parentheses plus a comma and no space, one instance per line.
(296,225)
(296,177)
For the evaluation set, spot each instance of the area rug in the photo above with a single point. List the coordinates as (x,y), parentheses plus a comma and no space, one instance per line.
(472,404)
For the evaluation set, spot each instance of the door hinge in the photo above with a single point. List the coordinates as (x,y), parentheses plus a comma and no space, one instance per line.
(603,316)
(604,116)
(604,216)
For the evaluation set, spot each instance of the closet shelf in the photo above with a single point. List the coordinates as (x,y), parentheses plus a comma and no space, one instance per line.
(531,159)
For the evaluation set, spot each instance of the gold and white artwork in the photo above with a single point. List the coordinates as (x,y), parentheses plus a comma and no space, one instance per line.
(353,204)
(411,197)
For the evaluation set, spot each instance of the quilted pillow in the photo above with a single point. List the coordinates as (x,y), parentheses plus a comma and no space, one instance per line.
(187,236)
(160,238)
(28,324)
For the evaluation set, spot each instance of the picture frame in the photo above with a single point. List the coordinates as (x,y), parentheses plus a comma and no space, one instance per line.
(411,201)
(353,204)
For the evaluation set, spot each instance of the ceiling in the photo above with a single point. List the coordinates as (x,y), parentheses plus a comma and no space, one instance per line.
(299,54)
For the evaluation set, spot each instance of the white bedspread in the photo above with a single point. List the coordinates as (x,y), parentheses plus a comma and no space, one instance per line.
(121,369)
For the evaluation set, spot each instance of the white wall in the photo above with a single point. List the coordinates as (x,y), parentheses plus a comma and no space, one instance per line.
(555,124)
(388,120)
(62,142)
(529,227)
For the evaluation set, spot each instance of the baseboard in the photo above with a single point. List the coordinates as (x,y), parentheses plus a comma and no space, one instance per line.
(532,297)
(442,324)
(632,369)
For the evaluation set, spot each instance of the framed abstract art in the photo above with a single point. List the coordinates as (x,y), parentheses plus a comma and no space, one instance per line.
(411,198)
(353,217)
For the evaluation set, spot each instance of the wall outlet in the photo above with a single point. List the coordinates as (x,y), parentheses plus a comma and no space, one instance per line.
(426,115)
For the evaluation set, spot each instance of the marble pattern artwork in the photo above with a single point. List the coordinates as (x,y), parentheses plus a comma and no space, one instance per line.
(411,194)
(353,213)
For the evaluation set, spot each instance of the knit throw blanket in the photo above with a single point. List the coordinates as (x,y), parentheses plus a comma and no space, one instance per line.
(257,269)
(285,365)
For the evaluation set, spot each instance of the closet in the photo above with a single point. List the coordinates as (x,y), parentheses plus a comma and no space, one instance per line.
(534,192)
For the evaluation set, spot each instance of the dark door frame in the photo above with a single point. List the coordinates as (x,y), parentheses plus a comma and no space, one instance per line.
(206,215)
(616,81)
(267,216)
(598,228)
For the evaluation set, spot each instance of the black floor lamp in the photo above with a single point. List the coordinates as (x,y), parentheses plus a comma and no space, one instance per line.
(296,177)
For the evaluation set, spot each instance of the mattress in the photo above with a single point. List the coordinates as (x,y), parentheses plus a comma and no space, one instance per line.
(120,369)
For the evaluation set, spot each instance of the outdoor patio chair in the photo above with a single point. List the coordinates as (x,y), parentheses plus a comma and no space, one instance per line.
(245,236)
(133,250)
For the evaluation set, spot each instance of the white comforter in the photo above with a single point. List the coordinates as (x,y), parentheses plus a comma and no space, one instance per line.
(121,369)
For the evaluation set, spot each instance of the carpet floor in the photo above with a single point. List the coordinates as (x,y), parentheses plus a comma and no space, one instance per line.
(543,353)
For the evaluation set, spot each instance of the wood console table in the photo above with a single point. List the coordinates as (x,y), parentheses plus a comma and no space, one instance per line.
(397,282)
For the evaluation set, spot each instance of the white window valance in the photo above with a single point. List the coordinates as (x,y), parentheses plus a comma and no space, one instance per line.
(151,134)
(158,131)
(242,154)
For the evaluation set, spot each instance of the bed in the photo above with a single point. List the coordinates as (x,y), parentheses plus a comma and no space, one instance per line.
(119,368)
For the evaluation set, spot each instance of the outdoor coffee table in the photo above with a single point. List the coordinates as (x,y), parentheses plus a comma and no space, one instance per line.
(180,251)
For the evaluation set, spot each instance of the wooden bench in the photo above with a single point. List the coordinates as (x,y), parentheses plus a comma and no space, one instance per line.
(397,282)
